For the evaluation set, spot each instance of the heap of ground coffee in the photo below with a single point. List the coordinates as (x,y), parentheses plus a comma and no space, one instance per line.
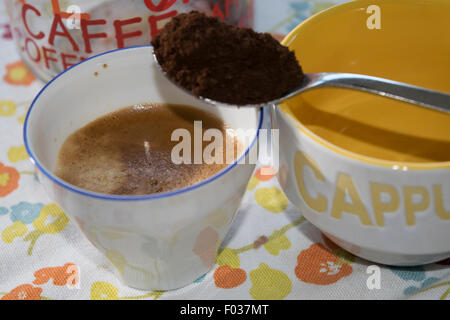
(225,63)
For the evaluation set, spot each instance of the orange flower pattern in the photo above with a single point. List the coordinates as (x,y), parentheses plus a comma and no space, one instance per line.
(9,180)
(318,265)
(65,275)
(265,173)
(17,74)
(227,277)
(68,275)
(24,292)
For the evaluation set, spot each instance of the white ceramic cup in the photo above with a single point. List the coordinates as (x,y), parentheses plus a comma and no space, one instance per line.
(159,242)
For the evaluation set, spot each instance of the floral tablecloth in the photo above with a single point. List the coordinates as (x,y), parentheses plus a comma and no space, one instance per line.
(270,253)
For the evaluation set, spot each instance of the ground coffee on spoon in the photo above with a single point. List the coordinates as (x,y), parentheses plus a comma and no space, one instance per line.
(225,63)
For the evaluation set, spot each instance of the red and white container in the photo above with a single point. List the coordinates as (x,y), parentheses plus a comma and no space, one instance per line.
(53,35)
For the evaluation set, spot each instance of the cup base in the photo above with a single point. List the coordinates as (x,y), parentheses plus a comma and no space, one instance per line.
(149,285)
(388,258)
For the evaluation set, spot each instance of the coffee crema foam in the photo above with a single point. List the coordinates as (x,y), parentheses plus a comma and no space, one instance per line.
(128,152)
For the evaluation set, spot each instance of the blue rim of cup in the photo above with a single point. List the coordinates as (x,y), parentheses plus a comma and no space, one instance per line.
(102,196)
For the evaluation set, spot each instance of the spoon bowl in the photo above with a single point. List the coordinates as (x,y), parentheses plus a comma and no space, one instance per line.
(431,99)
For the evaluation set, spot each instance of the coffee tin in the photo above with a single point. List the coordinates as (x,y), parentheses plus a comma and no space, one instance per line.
(53,35)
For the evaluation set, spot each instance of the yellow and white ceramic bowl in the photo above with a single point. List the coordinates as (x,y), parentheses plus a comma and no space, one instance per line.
(386,211)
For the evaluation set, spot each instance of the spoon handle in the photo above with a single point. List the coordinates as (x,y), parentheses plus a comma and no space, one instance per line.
(392,89)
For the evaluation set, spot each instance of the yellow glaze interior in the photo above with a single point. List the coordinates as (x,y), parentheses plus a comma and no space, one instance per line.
(413,46)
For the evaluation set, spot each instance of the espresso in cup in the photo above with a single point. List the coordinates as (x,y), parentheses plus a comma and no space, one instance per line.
(130,151)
